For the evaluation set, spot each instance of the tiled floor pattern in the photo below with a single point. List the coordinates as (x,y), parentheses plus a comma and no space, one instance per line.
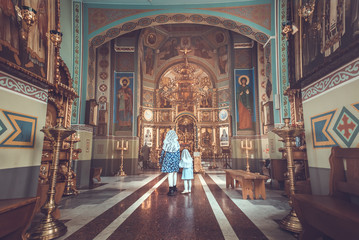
(137,207)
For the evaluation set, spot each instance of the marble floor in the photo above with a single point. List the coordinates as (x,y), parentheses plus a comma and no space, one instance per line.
(137,207)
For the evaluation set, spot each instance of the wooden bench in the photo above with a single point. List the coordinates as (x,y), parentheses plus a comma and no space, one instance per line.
(334,215)
(15,216)
(248,181)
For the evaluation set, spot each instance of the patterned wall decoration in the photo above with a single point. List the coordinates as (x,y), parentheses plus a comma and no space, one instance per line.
(259,14)
(346,126)
(103,75)
(17,130)
(147,98)
(245,98)
(223,97)
(180,18)
(77,53)
(268,70)
(343,75)
(284,62)
(22,87)
(322,138)
(356,106)
(261,74)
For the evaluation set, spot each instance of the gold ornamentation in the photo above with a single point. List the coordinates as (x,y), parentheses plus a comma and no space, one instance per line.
(123,148)
(70,188)
(306,11)
(288,133)
(49,227)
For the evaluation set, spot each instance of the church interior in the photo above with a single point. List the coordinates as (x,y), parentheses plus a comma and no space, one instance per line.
(262,93)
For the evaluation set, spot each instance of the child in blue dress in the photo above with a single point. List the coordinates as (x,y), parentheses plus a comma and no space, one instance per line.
(187,174)
(170,157)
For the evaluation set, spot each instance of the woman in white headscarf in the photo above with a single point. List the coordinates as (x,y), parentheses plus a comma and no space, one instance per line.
(187,174)
(170,157)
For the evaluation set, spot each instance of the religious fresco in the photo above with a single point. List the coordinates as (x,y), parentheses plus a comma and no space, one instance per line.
(259,14)
(206,47)
(331,31)
(123,101)
(245,98)
(25,47)
(224,136)
(148,136)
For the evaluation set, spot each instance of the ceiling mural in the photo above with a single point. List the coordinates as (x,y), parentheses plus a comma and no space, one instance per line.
(129,26)
(100,17)
(259,14)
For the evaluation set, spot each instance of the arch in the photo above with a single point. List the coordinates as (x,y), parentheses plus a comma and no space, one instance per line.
(188,114)
(124,26)
(178,60)
(154,18)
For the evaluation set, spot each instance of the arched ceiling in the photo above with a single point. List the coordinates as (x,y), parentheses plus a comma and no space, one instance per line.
(163,2)
(110,19)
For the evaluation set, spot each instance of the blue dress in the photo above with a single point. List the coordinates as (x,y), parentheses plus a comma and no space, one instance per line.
(170,161)
(187,173)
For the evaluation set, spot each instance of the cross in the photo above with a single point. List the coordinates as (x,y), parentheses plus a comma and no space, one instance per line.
(346,126)
(185,51)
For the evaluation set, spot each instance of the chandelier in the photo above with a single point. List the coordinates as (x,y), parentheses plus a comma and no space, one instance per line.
(185,84)
(306,10)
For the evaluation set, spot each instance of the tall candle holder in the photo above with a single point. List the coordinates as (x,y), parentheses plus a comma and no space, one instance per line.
(288,133)
(214,163)
(123,148)
(70,188)
(248,146)
(158,151)
(49,227)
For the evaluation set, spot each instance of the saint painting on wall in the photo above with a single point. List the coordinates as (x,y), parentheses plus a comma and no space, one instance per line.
(147,138)
(224,138)
(27,48)
(330,32)
(245,107)
(123,102)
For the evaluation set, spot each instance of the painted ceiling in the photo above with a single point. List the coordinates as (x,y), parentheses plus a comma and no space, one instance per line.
(166,2)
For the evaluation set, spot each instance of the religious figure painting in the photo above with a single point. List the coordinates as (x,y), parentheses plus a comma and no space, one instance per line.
(245,107)
(149,60)
(224,138)
(123,102)
(222,59)
(170,49)
(330,32)
(206,135)
(26,47)
(147,138)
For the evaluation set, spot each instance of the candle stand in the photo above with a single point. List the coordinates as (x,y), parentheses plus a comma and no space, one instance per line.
(288,133)
(123,148)
(49,227)
(247,147)
(70,188)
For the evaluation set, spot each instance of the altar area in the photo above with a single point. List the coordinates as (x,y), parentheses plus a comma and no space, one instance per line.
(186,101)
